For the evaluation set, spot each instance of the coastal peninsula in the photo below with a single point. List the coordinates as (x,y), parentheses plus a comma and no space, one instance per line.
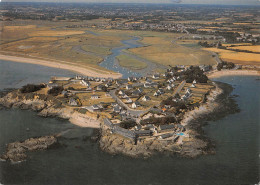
(137,117)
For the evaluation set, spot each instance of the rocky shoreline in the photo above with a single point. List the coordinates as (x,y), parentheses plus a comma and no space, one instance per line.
(218,104)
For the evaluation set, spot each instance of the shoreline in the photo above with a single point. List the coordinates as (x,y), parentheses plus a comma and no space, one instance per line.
(70,67)
(197,143)
(45,107)
(216,74)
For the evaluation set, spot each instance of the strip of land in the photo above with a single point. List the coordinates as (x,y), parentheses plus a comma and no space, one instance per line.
(216,74)
(84,71)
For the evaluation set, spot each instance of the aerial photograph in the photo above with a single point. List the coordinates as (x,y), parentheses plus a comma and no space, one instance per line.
(136,92)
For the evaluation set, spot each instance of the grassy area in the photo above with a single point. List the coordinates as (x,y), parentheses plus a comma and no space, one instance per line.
(85,98)
(131,63)
(162,50)
(97,49)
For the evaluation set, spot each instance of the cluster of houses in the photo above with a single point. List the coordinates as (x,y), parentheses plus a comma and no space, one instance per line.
(173,131)
(248,37)
(127,95)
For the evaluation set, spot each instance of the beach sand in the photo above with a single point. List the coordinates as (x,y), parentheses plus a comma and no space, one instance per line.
(216,74)
(71,67)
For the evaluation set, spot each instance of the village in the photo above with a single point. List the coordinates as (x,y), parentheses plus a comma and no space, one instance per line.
(136,108)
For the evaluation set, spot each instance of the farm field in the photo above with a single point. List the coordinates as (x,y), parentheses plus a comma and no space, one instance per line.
(255,48)
(237,57)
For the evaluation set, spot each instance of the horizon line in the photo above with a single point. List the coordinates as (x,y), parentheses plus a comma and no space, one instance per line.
(258,4)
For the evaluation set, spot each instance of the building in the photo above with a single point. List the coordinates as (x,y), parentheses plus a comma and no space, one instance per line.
(169,87)
(73,102)
(85,83)
(166,128)
(156,76)
(107,94)
(136,104)
(124,96)
(136,93)
(146,98)
(121,92)
(164,136)
(128,87)
(129,100)
(100,87)
(97,107)
(193,85)
(117,109)
(94,96)
(140,133)
(156,94)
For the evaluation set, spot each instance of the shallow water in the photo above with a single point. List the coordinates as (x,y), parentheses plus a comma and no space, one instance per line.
(81,161)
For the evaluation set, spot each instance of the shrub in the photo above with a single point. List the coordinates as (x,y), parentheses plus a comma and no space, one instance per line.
(128,124)
(55,90)
(31,88)
(158,121)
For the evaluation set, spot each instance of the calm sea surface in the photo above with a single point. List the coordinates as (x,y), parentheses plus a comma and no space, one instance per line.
(80,160)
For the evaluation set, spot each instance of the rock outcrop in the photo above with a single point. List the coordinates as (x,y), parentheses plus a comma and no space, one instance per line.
(116,144)
(16,151)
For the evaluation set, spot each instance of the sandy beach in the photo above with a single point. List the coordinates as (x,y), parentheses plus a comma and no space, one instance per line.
(71,67)
(216,74)
(84,121)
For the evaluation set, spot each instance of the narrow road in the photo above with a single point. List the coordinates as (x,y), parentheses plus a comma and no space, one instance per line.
(179,88)
(122,104)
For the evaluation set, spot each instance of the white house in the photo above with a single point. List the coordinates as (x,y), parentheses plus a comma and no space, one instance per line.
(156,93)
(84,82)
(121,92)
(156,76)
(188,90)
(94,96)
(169,87)
(136,104)
(129,100)
(147,85)
(107,94)
(96,107)
(124,96)
(146,98)
(193,85)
